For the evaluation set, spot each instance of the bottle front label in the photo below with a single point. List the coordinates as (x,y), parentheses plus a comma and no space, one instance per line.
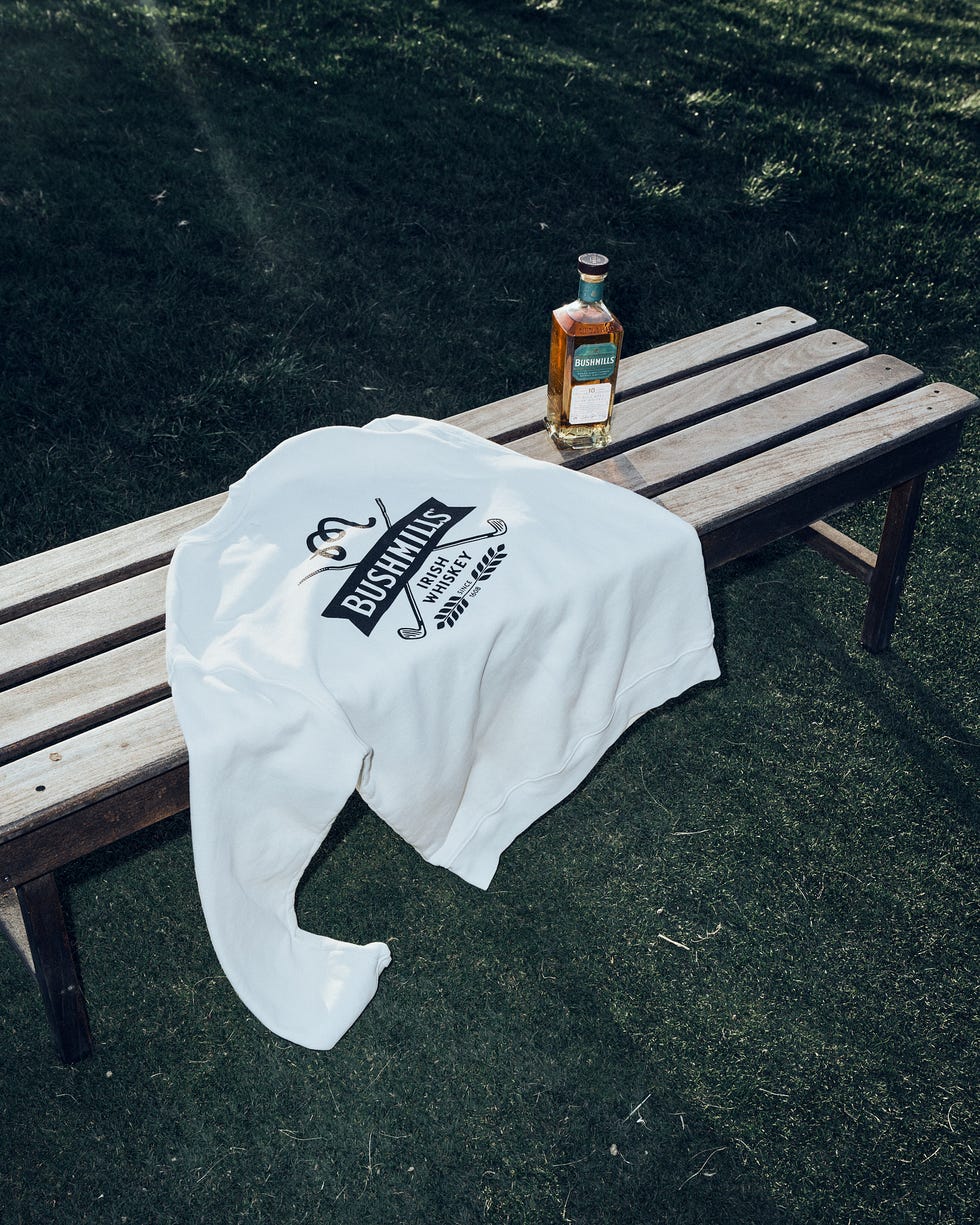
(590,405)
(593,362)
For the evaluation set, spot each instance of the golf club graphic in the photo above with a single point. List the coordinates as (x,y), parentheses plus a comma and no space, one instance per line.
(497,526)
(332,548)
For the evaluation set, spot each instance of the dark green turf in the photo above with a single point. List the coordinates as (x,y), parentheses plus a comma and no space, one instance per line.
(730,979)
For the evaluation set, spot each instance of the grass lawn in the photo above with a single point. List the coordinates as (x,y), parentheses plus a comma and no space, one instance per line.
(729,980)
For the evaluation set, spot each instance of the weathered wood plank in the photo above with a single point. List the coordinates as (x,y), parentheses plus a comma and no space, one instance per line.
(60,841)
(523,413)
(791,512)
(699,449)
(69,701)
(73,569)
(57,636)
(735,492)
(657,413)
(78,567)
(91,766)
(81,566)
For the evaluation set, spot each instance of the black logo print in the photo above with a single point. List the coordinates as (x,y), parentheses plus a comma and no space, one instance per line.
(456,605)
(386,571)
(328,534)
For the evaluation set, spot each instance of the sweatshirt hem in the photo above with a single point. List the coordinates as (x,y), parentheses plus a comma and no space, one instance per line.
(357,967)
(475,858)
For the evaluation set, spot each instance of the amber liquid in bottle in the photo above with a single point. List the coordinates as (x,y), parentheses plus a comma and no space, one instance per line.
(586,339)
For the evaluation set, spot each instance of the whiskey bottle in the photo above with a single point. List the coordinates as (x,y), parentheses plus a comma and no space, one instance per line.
(586,338)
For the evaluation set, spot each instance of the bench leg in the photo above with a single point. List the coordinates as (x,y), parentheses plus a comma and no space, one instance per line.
(892,561)
(55,967)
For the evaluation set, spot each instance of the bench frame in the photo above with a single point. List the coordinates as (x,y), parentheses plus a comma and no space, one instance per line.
(32,851)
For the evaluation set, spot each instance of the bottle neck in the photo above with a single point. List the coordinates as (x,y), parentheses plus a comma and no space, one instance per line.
(590,289)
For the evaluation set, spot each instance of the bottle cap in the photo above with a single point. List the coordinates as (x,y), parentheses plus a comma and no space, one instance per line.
(593,264)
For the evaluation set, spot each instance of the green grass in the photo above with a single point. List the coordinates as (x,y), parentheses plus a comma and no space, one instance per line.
(222,223)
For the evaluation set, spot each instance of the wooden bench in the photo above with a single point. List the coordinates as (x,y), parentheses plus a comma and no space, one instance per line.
(750,431)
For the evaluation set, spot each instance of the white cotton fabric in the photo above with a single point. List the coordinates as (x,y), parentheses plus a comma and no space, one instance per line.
(336,626)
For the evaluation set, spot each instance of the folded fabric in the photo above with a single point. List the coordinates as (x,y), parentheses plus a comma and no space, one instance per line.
(454,630)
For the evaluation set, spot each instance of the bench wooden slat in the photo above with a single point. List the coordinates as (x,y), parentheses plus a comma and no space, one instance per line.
(81,566)
(79,831)
(713,501)
(96,687)
(73,699)
(75,628)
(57,636)
(101,762)
(699,449)
(523,413)
(705,395)
(84,565)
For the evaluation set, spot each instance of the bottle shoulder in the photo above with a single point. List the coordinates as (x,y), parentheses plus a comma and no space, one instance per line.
(584,317)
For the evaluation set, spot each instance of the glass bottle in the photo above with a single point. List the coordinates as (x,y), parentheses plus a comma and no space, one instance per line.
(586,338)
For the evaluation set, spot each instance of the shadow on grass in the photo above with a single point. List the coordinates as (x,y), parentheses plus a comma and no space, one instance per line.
(613,1129)
(518,1095)
(913,717)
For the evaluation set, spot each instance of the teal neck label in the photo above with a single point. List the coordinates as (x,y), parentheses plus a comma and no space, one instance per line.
(590,291)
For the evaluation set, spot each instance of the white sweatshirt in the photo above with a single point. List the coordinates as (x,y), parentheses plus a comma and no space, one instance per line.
(454,630)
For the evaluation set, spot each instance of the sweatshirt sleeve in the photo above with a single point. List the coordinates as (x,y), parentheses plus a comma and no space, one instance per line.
(269,772)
